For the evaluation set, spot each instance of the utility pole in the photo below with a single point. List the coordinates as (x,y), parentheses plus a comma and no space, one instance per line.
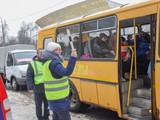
(3,36)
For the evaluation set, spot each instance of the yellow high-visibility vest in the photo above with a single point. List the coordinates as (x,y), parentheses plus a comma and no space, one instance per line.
(55,89)
(38,73)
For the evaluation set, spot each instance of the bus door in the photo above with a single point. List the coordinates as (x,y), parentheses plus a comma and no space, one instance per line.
(156,69)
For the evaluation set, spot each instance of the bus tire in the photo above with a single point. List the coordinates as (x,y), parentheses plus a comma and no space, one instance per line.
(15,84)
(75,104)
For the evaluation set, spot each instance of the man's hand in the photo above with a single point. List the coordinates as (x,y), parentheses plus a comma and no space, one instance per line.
(112,51)
(31,91)
(74,53)
(125,59)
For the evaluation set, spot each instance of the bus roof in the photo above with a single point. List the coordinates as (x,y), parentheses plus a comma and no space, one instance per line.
(45,23)
(81,9)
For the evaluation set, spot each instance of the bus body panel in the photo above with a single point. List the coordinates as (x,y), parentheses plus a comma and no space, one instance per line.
(99,93)
(49,33)
(77,83)
(96,87)
(89,91)
(157,87)
(107,96)
(90,70)
(140,11)
(156,70)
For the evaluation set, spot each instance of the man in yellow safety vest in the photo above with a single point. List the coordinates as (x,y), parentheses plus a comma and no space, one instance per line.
(35,83)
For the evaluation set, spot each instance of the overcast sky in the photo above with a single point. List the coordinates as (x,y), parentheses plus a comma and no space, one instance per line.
(16,11)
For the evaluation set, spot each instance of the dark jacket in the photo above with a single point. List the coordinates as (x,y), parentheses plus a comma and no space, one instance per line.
(58,70)
(142,48)
(101,49)
(30,80)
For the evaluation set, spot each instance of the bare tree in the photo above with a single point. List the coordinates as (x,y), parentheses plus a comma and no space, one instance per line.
(28,33)
(4,32)
(12,40)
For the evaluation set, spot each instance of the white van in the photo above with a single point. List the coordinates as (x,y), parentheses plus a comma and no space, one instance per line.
(16,65)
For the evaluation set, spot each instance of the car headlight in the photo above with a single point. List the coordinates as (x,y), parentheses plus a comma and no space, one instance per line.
(23,73)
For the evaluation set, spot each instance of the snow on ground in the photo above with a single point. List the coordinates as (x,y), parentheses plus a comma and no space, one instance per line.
(23,107)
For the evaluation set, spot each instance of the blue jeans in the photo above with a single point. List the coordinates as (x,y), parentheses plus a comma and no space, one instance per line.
(40,98)
(62,115)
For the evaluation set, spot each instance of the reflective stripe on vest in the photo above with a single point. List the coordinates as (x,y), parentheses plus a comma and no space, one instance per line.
(38,73)
(54,88)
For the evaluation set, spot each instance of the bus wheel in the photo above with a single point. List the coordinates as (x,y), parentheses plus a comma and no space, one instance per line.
(15,84)
(75,104)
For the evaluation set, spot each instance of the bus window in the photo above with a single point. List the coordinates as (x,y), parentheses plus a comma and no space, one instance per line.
(108,22)
(86,38)
(112,40)
(89,26)
(96,46)
(46,41)
(128,31)
(146,28)
(63,40)
(100,40)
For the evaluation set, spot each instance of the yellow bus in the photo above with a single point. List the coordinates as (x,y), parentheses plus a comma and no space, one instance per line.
(100,79)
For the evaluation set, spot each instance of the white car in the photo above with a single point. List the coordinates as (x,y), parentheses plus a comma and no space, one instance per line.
(16,65)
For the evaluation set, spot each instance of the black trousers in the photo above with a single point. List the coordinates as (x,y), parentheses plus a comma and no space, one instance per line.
(142,64)
(40,98)
(126,65)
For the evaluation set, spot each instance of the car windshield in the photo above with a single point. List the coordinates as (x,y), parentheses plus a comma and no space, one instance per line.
(23,58)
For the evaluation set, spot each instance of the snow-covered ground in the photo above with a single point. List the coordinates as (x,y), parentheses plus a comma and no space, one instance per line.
(23,107)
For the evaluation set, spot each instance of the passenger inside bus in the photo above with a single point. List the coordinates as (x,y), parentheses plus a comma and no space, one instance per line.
(87,48)
(112,42)
(66,49)
(76,44)
(101,48)
(130,40)
(126,59)
(143,52)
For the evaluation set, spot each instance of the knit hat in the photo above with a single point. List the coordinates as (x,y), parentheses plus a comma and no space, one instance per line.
(52,46)
(103,35)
